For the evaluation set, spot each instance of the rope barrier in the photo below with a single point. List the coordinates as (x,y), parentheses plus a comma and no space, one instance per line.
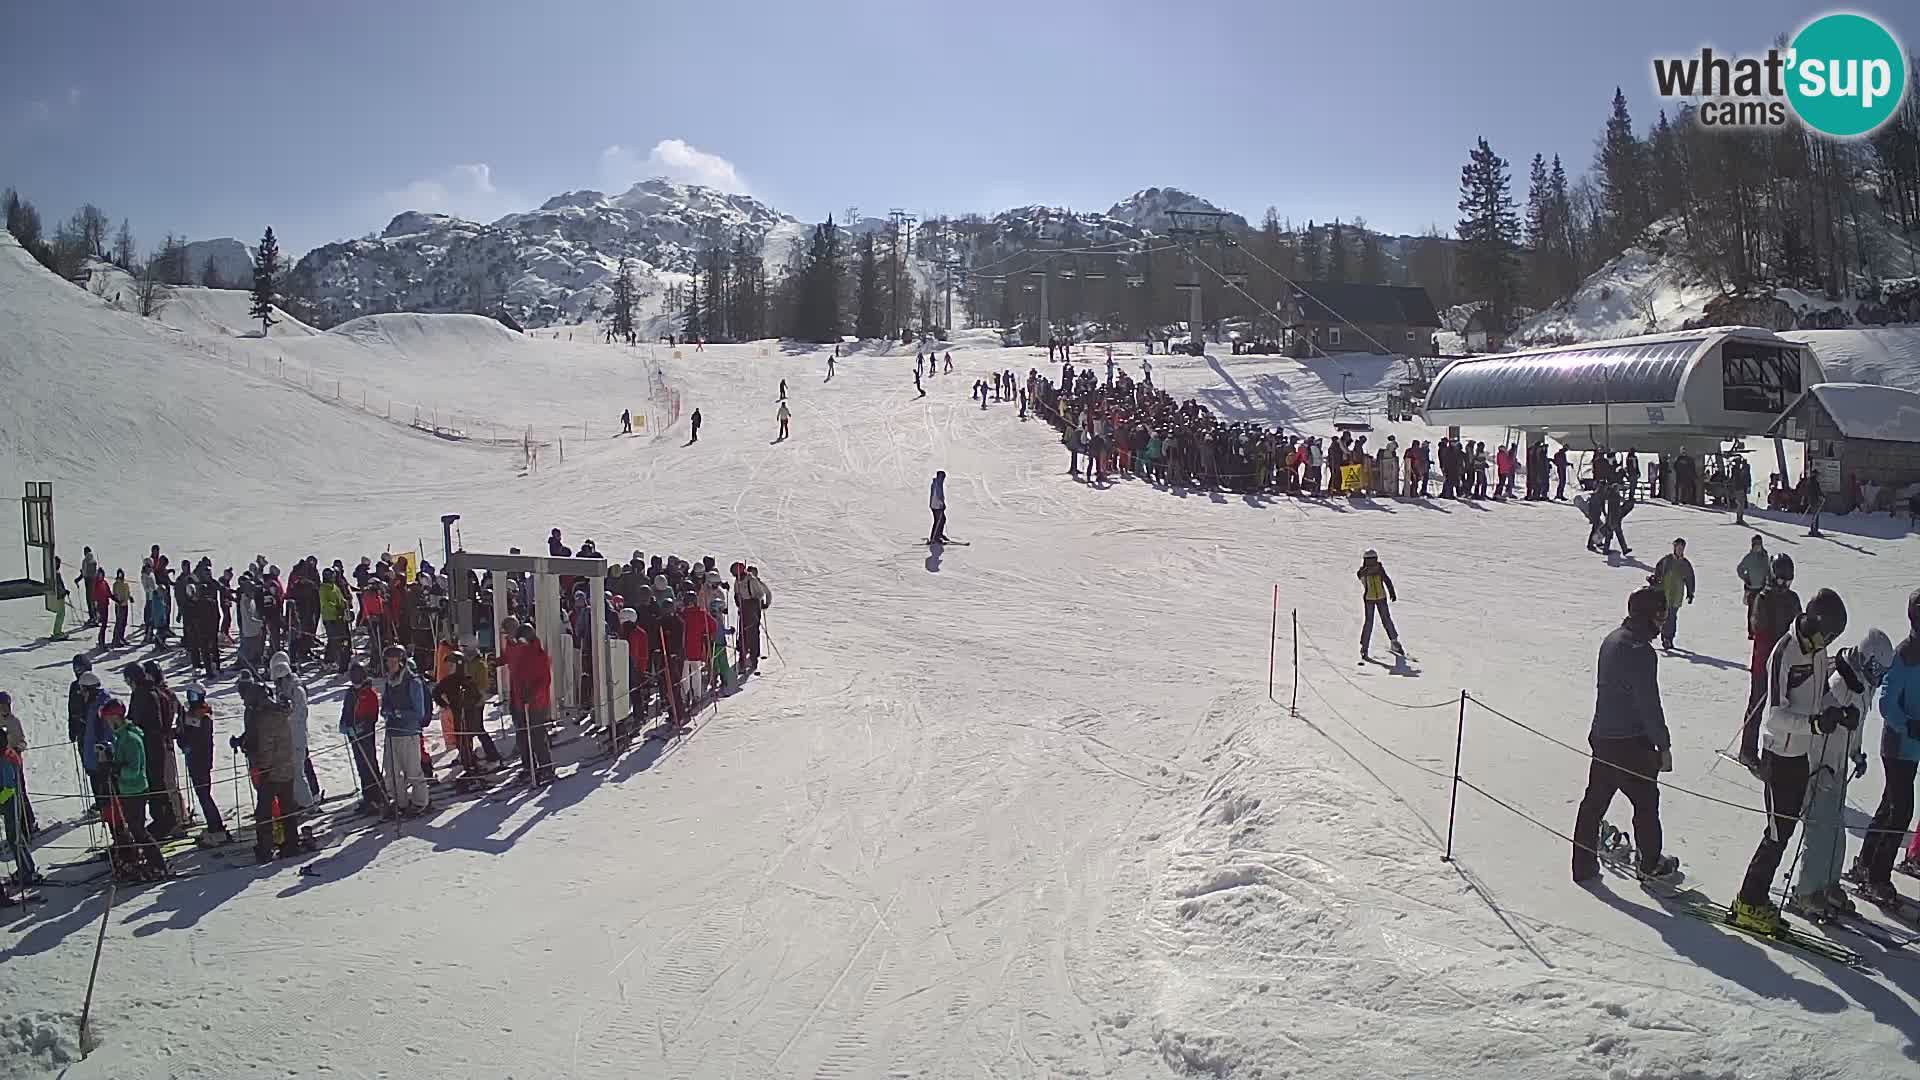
(1344,677)
(1799,819)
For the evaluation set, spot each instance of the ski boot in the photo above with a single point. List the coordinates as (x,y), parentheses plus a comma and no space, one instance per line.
(213,838)
(1909,866)
(1856,873)
(1760,918)
(1665,868)
(1839,901)
(1879,892)
(1814,907)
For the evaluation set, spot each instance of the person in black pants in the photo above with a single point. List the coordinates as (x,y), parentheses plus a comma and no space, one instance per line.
(1899,703)
(1631,746)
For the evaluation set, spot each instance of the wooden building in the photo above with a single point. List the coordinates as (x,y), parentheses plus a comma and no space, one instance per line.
(1862,440)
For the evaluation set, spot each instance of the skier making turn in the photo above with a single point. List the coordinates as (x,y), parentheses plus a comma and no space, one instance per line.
(1376,590)
(784,415)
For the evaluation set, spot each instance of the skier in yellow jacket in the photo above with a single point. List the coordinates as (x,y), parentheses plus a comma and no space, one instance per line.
(1376,590)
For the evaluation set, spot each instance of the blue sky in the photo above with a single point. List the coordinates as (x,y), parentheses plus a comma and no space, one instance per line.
(216,118)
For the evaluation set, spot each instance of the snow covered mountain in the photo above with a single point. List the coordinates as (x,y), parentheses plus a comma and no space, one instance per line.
(229,259)
(1149,208)
(554,264)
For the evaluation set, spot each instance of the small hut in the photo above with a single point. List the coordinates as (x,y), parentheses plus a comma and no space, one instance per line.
(1863,441)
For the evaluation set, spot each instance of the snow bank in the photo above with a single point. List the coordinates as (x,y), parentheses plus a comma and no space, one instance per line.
(224,313)
(1887,355)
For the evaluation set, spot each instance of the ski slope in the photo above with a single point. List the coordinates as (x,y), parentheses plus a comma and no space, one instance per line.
(1021,808)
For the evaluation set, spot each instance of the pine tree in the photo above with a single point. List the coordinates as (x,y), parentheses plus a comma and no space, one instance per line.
(620,307)
(266,277)
(1313,251)
(123,249)
(817,311)
(1373,261)
(868,321)
(1563,232)
(1621,166)
(1489,230)
(210,275)
(691,326)
(746,299)
(1336,252)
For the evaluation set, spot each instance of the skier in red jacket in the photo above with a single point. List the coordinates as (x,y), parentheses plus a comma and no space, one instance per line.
(531,677)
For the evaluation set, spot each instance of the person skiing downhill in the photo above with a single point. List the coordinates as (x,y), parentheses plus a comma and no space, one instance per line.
(830,366)
(1799,711)
(916,382)
(696,428)
(784,414)
(1630,742)
(783,389)
(1835,758)
(937,502)
(1376,590)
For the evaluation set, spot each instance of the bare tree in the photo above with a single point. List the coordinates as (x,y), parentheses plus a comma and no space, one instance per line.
(151,292)
(210,275)
(1642,299)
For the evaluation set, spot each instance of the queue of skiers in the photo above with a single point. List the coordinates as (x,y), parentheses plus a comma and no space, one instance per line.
(404,663)
(1803,735)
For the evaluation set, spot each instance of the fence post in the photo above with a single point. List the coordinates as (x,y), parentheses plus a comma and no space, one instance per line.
(1273,640)
(1453,800)
(1294,708)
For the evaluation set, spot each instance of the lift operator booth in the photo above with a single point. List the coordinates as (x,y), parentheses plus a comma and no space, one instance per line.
(606,657)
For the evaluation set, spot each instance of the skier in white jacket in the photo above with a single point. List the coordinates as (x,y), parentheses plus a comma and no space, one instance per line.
(937,502)
(1799,711)
(1834,758)
(289,690)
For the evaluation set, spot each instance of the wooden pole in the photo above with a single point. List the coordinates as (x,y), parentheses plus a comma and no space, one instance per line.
(1294,708)
(99,943)
(1453,800)
(1273,640)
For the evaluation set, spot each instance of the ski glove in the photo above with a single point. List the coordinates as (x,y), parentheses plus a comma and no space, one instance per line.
(1666,760)
(1835,716)
(1859,766)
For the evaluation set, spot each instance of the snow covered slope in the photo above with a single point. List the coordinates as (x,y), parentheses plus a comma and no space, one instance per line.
(1889,355)
(118,410)
(1021,808)
(224,313)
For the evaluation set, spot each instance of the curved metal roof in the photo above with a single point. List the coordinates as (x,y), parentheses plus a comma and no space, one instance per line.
(1582,375)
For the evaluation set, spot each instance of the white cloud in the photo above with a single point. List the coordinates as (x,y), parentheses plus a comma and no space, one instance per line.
(466,191)
(674,159)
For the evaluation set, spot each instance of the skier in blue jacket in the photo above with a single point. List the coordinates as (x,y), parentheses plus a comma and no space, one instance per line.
(1899,703)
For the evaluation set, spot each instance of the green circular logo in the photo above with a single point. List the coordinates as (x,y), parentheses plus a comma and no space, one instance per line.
(1847,75)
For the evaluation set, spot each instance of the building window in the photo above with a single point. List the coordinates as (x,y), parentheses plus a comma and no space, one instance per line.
(1413,335)
(1333,335)
(1759,378)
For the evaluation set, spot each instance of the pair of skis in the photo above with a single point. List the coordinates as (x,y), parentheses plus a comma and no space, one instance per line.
(1616,851)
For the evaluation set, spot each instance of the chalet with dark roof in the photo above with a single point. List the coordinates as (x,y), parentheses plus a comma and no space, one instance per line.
(1325,317)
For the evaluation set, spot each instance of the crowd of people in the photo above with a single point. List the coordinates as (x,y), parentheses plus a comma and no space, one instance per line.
(1803,735)
(387,628)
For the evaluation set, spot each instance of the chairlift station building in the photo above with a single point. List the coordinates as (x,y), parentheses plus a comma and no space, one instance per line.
(1657,393)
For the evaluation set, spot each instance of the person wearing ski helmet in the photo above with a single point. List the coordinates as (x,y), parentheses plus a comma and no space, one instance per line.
(1899,702)
(85,730)
(1835,758)
(1768,618)
(1376,590)
(1799,711)
(1629,739)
